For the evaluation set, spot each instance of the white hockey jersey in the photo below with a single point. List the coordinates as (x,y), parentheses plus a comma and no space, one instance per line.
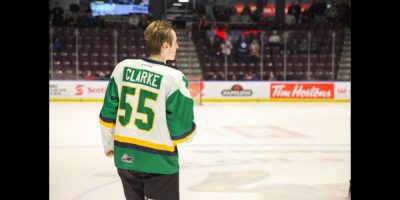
(147,111)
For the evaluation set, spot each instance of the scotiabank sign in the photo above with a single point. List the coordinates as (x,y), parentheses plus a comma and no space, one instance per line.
(82,89)
(77,89)
(302,90)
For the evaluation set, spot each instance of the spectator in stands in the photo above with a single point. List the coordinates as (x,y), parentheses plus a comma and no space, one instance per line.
(307,16)
(254,16)
(214,77)
(102,76)
(202,23)
(239,75)
(320,9)
(286,37)
(133,21)
(234,18)
(69,19)
(295,10)
(108,73)
(265,39)
(209,75)
(220,75)
(213,30)
(254,55)
(275,39)
(254,77)
(345,13)
(74,8)
(217,47)
(271,76)
(226,48)
(246,76)
(58,15)
(212,50)
(89,75)
(250,76)
(289,19)
(242,47)
(312,10)
(145,20)
(231,75)
(245,16)
(331,13)
(58,44)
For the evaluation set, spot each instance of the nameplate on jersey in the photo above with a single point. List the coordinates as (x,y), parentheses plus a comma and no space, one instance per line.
(143,77)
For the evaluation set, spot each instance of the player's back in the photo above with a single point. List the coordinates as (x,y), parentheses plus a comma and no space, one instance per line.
(142,130)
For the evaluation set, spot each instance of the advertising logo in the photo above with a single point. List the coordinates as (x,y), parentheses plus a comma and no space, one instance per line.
(293,90)
(56,90)
(343,90)
(237,90)
(79,90)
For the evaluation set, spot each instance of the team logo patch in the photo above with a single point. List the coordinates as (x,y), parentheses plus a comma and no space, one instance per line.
(126,158)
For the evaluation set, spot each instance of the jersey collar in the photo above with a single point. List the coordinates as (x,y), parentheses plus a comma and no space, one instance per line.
(154,61)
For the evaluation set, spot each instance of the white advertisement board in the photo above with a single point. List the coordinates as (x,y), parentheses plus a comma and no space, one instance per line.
(77,90)
(219,91)
(235,90)
(343,90)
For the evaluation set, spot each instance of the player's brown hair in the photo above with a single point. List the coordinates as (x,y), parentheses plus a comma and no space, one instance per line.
(155,35)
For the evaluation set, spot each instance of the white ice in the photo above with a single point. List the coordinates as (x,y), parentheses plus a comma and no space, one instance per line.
(242,151)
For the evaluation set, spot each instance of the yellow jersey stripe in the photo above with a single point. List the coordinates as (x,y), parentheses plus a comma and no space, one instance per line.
(144,143)
(106,124)
(184,139)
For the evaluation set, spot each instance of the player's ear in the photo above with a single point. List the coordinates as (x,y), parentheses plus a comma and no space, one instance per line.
(165,45)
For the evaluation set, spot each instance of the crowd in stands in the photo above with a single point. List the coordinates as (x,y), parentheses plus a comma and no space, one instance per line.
(223,34)
(237,38)
(243,49)
(317,11)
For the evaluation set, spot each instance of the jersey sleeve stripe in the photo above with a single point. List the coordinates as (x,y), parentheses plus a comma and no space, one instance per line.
(107,124)
(185,135)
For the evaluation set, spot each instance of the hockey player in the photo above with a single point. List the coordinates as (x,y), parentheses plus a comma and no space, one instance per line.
(147,111)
